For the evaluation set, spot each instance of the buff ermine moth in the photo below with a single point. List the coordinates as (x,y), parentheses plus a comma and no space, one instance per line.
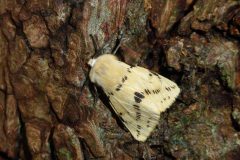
(136,94)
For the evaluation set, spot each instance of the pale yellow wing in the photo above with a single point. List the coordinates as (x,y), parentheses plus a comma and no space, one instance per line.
(140,99)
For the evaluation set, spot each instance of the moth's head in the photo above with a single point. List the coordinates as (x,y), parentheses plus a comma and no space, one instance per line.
(91,62)
(99,51)
(105,58)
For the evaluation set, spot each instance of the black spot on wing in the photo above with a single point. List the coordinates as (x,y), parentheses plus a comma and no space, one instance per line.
(110,93)
(156,91)
(139,95)
(137,99)
(154,73)
(138,115)
(148,122)
(168,88)
(136,107)
(124,79)
(119,87)
(173,87)
(147,91)
(138,132)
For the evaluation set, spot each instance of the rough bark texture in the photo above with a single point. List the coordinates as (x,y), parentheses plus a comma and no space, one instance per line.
(44,48)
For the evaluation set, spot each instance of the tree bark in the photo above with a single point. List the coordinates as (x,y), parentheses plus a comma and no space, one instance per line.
(47,111)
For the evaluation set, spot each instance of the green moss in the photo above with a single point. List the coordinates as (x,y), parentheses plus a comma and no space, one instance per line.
(227,74)
(65,154)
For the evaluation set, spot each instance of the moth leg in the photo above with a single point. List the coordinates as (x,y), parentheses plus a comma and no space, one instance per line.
(94,92)
(141,60)
(95,97)
(92,89)
(83,86)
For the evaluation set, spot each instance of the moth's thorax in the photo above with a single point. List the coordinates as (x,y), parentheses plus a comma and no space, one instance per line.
(106,69)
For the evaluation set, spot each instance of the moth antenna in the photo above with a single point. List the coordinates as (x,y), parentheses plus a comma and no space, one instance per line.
(118,42)
(116,49)
(96,47)
(119,34)
(98,50)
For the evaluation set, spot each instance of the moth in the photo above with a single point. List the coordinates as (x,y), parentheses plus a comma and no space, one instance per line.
(137,95)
